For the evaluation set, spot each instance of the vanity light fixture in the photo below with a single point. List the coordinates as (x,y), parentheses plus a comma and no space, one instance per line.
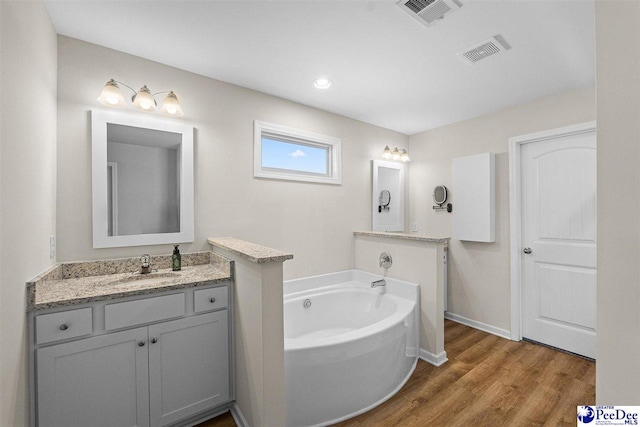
(111,95)
(143,99)
(397,154)
(322,83)
(171,105)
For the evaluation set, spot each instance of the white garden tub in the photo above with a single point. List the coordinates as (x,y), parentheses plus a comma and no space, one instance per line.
(347,347)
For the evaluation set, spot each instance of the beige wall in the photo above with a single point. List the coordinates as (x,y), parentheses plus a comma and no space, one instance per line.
(259,340)
(27,183)
(479,286)
(618,293)
(313,221)
(416,262)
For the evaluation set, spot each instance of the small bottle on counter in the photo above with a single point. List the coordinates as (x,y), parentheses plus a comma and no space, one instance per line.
(176,259)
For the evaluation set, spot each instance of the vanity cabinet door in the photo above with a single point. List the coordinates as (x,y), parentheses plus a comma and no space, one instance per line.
(188,366)
(100,381)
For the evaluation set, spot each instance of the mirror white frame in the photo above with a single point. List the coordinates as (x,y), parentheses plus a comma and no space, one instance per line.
(101,239)
(393,218)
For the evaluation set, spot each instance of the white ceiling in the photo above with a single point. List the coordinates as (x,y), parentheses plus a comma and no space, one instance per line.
(386,68)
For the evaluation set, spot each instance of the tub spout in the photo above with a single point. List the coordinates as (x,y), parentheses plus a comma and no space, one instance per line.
(377,283)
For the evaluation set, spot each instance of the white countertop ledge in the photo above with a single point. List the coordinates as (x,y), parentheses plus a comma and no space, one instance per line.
(402,236)
(251,251)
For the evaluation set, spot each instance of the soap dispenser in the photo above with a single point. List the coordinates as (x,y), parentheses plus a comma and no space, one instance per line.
(176,259)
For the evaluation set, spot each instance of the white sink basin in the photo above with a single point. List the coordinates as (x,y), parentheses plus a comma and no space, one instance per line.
(143,279)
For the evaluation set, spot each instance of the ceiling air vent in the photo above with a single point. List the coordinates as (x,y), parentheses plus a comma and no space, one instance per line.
(428,12)
(482,50)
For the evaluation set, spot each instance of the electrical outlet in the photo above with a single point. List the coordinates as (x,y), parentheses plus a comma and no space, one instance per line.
(52,246)
(414,227)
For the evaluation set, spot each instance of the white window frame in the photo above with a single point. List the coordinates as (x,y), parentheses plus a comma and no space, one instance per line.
(296,136)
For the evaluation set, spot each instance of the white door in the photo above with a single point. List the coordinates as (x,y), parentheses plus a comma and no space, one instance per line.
(95,382)
(559,242)
(188,366)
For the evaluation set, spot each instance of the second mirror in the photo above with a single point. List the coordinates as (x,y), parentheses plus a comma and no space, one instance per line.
(440,195)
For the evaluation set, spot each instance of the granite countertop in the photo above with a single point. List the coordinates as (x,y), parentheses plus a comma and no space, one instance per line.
(69,284)
(251,251)
(402,236)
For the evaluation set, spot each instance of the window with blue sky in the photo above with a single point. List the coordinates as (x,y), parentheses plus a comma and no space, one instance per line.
(285,153)
(294,156)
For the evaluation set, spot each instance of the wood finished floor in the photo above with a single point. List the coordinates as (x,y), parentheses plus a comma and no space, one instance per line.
(488,381)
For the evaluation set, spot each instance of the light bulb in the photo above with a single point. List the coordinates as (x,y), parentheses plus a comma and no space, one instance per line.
(143,100)
(386,154)
(395,154)
(171,105)
(322,83)
(404,156)
(111,95)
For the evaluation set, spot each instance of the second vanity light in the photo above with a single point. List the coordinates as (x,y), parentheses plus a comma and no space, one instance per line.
(143,99)
(396,154)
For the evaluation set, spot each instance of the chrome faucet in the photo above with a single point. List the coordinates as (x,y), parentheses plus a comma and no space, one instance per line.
(385,260)
(145,268)
(377,283)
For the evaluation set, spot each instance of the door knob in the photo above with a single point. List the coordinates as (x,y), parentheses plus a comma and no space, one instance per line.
(527,251)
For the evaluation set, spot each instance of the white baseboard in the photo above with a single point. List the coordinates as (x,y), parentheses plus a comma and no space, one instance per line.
(238,417)
(434,359)
(503,333)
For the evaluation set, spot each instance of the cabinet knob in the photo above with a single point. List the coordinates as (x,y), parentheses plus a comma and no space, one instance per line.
(212,300)
(64,327)
(527,251)
(141,344)
(154,340)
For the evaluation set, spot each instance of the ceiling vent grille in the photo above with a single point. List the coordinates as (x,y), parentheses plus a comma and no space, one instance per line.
(483,50)
(428,12)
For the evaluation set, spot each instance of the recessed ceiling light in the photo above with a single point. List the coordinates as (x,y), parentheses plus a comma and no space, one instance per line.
(322,83)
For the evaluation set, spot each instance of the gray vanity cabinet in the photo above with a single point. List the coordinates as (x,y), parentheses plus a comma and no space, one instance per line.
(188,366)
(99,381)
(159,360)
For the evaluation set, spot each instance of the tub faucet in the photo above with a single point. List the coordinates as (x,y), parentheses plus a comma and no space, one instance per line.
(377,283)
(385,260)
(145,268)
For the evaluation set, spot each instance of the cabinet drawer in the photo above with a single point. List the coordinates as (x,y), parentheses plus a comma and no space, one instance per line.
(210,299)
(131,313)
(63,325)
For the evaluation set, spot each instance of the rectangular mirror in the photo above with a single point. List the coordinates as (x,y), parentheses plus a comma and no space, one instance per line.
(142,170)
(387,196)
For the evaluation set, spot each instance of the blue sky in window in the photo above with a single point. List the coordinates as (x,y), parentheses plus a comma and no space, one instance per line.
(287,155)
